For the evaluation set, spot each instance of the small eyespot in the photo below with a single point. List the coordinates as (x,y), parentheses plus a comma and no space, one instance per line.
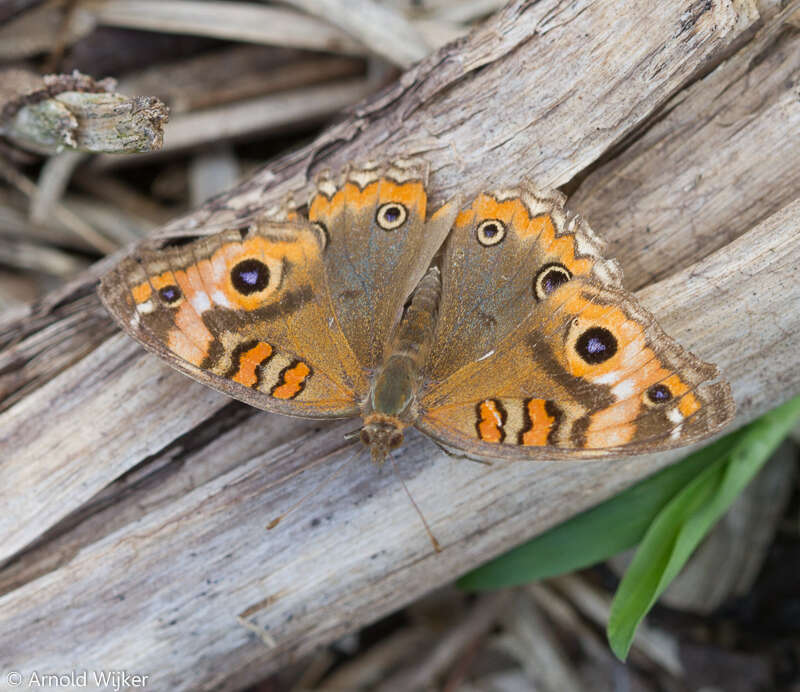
(322,233)
(391,216)
(659,394)
(549,278)
(250,276)
(491,232)
(596,345)
(170,294)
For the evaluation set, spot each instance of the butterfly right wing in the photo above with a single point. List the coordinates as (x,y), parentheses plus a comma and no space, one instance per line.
(539,353)
(588,373)
(488,286)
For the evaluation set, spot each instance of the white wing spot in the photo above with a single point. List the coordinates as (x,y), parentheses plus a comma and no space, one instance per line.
(486,355)
(674,416)
(220,299)
(624,389)
(146,308)
(609,378)
(201,302)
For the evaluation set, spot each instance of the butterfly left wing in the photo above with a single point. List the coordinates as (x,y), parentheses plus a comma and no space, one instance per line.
(245,311)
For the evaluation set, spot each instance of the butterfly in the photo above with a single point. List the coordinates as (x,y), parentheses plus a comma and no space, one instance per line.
(495,327)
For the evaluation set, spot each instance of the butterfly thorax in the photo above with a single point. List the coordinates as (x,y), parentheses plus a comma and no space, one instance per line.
(392,402)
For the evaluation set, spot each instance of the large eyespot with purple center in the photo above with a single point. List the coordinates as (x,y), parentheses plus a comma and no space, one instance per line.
(549,278)
(490,232)
(391,216)
(596,345)
(250,276)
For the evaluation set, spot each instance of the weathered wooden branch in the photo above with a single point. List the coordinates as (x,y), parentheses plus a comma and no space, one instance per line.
(135,500)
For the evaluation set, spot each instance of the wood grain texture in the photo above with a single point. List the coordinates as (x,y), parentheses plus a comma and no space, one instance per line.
(719,161)
(163,488)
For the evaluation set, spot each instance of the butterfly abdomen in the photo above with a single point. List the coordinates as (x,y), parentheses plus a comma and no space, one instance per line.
(415,332)
(392,402)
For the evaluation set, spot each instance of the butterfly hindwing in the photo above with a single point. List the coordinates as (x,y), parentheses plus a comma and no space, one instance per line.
(488,287)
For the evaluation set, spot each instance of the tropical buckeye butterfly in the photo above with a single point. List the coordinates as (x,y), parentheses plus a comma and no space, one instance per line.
(497,329)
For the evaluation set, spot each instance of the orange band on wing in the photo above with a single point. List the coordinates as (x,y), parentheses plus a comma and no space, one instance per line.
(539,423)
(688,405)
(142,292)
(516,215)
(491,418)
(292,380)
(249,362)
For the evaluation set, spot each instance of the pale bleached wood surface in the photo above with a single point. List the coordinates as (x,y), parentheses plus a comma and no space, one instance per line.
(152,568)
(723,157)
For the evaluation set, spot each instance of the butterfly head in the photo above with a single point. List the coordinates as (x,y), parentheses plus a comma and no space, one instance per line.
(381,434)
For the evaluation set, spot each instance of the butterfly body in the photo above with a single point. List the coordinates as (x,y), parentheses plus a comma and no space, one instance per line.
(392,404)
(498,329)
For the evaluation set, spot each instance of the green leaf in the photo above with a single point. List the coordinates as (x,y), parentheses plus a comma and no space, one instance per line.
(596,534)
(688,517)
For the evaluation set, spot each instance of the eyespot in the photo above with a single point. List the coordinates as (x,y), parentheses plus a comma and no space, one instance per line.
(250,276)
(170,294)
(322,233)
(391,216)
(596,345)
(491,232)
(659,394)
(549,278)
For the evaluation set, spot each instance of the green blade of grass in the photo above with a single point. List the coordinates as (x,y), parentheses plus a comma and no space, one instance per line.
(688,517)
(596,534)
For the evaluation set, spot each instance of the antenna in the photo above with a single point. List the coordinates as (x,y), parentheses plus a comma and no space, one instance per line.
(434,542)
(277,520)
